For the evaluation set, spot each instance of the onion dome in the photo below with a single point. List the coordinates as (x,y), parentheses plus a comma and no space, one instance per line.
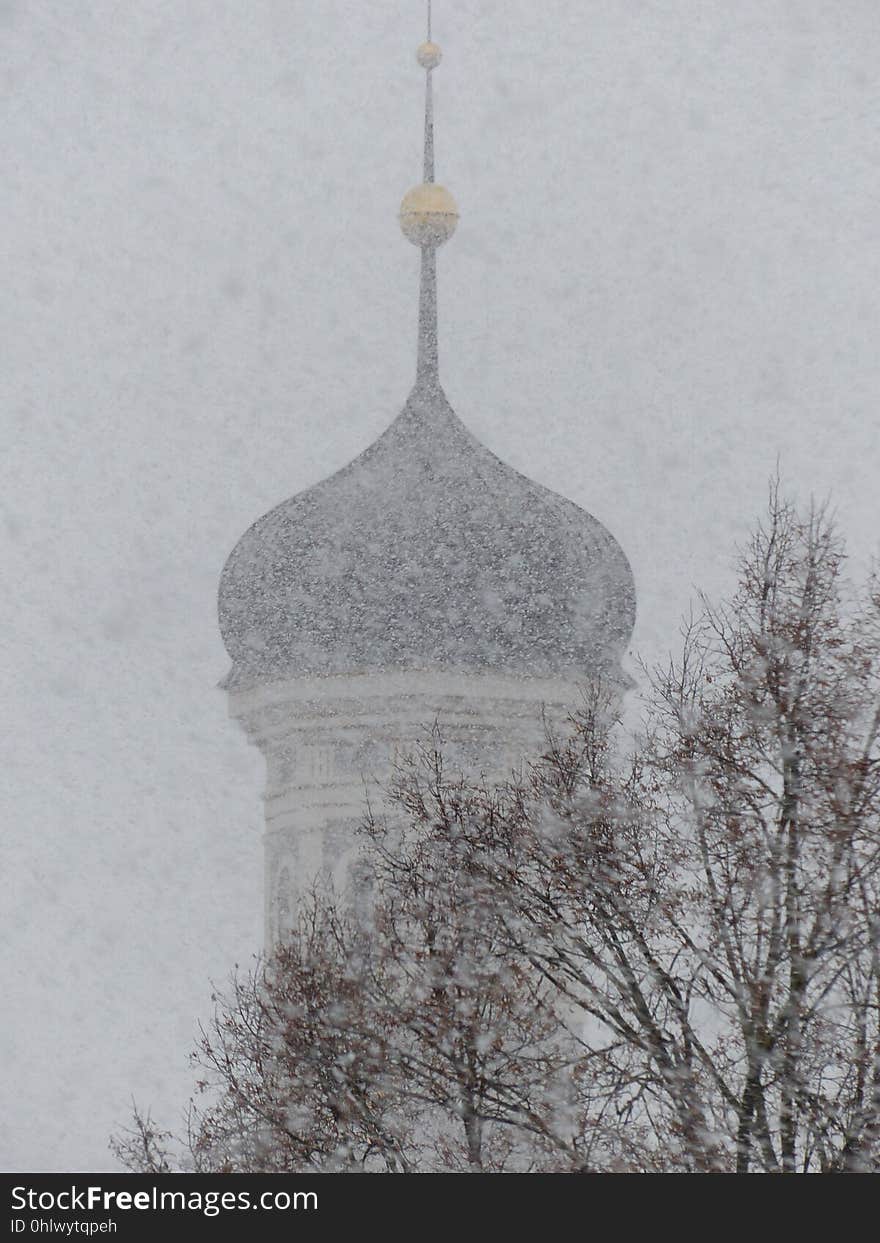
(426,552)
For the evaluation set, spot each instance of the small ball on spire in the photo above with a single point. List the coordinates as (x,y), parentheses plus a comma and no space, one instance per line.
(428,215)
(429,55)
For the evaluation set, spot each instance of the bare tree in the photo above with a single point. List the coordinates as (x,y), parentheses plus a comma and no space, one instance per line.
(712,909)
(766,733)
(291,1068)
(408,1045)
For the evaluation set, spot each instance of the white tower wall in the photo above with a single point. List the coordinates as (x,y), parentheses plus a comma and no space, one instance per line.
(331,743)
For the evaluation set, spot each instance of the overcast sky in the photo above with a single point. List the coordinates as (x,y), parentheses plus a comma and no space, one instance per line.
(667,273)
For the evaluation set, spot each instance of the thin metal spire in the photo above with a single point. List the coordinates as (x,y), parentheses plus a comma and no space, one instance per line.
(428,365)
(428,217)
(429,127)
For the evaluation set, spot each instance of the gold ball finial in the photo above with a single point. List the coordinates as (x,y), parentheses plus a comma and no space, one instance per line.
(428,215)
(429,55)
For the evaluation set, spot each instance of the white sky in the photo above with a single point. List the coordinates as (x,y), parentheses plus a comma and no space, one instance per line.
(667,272)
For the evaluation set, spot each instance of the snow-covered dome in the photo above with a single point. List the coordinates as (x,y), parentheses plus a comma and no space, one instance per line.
(426,552)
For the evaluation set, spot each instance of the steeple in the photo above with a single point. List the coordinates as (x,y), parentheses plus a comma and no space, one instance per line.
(426,554)
(428,216)
(429,56)
(425,581)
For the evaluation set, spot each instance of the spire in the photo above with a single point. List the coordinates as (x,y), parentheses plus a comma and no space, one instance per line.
(428,217)
(429,63)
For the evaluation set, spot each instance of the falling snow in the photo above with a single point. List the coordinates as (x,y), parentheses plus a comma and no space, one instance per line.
(665,276)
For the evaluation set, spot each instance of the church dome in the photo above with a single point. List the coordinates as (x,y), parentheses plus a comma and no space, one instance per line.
(426,552)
